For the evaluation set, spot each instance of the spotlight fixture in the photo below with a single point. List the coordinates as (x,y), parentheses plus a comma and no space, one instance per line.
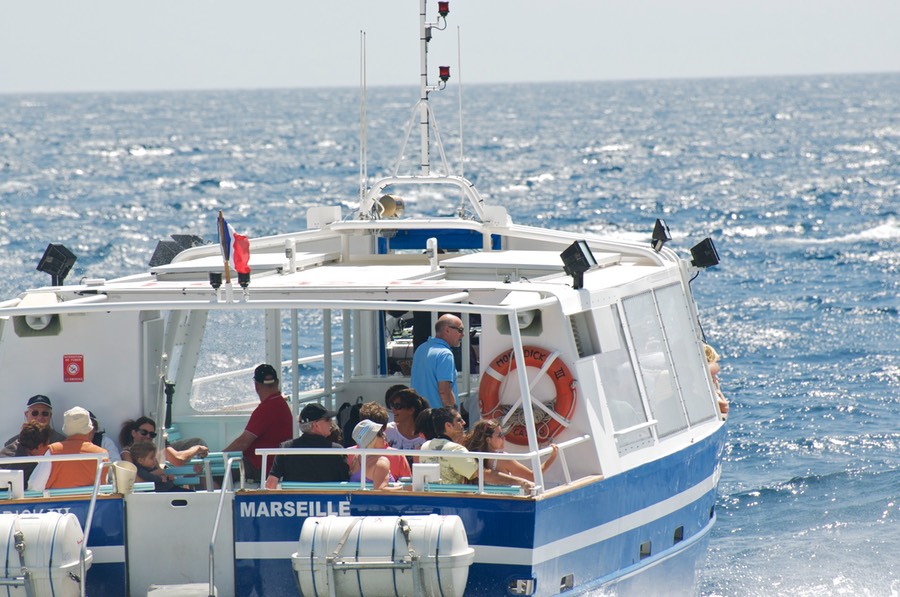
(215,280)
(166,250)
(244,279)
(57,261)
(704,254)
(577,259)
(661,235)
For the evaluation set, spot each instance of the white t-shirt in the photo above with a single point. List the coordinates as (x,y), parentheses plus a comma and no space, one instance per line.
(397,440)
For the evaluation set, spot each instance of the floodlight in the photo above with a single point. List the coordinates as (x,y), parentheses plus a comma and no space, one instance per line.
(57,261)
(166,250)
(660,236)
(704,254)
(577,259)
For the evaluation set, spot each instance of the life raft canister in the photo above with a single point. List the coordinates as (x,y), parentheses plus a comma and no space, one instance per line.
(492,381)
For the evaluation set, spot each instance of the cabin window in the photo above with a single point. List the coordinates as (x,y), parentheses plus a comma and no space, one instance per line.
(619,382)
(687,359)
(234,343)
(654,362)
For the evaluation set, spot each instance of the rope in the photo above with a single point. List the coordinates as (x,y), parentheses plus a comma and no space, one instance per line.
(541,419)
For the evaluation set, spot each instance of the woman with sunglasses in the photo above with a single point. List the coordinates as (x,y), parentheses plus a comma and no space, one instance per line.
(487,436)
(143,429)
(401,433)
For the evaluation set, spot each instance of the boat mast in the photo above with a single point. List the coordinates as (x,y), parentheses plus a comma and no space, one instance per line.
(425,37)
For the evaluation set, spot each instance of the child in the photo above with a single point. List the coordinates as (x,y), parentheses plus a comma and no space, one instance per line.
(148,469)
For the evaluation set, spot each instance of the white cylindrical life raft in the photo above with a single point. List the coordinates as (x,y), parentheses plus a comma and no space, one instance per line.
(43,550)
(383,555)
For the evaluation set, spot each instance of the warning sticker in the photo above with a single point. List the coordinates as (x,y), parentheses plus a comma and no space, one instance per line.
(73,367)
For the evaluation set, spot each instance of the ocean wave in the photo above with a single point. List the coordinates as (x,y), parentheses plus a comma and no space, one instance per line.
(15,187)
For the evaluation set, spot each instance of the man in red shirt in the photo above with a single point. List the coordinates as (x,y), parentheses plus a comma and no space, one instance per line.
(269,425)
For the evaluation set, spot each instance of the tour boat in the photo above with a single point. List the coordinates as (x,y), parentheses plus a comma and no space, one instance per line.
(591,343)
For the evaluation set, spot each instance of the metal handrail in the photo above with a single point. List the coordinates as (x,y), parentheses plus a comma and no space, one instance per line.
(479,456)
(226,482)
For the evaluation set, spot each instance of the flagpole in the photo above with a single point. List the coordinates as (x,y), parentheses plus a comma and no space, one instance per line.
(222,241)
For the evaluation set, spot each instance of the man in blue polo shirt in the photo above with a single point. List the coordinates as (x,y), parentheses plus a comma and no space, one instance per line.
(433,369)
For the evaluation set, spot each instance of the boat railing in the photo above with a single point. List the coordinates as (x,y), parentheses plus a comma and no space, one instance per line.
(638,427)
(480,458)
(227,482)
(98,475)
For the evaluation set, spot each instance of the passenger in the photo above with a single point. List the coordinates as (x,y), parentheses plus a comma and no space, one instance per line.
(336,436)
(143,429)
(370,434)
(372,411)
(104,441)
(75,473)
(32,440)
(38,408)
(425,426)
(434,369)
(390,393)
(406,405)
(269,425)
(712,361)
(315,427)
(148,468)
(487,436)
(450,429)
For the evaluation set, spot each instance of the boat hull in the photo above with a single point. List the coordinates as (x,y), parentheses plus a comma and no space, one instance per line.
(591,535)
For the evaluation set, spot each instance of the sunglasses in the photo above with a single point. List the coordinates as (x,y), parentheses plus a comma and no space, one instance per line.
(496,431)
(145,433)
(40,413)
(459,329)
(398,406)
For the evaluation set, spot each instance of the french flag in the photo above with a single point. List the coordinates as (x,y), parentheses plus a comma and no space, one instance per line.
(235,247)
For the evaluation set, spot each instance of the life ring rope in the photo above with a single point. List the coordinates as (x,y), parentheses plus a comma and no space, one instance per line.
(534,401)
(550,417)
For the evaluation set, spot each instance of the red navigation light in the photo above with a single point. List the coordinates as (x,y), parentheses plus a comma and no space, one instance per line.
(444,73)
(443,8)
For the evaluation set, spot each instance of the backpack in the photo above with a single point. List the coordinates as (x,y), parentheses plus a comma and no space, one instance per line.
(350,422)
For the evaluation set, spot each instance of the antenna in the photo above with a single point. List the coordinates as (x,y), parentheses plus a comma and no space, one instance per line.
(363,123)
(459,91)
(424,37)
(462,198)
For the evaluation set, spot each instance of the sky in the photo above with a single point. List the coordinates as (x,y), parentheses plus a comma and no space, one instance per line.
(126,45)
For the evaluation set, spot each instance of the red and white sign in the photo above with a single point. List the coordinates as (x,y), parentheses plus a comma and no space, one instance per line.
(73,367)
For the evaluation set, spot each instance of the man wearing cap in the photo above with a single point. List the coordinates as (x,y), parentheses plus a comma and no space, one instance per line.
(39,409)
(269,425)
(315,427)
(73,473)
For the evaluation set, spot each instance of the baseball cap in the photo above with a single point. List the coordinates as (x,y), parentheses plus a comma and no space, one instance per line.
(39,399)
(265,374)
(314,412)
(365,431)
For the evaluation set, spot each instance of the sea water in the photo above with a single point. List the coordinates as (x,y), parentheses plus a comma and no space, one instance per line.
(797,181)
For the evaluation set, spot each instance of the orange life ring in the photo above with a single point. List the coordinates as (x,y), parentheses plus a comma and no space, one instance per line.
(501,366)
